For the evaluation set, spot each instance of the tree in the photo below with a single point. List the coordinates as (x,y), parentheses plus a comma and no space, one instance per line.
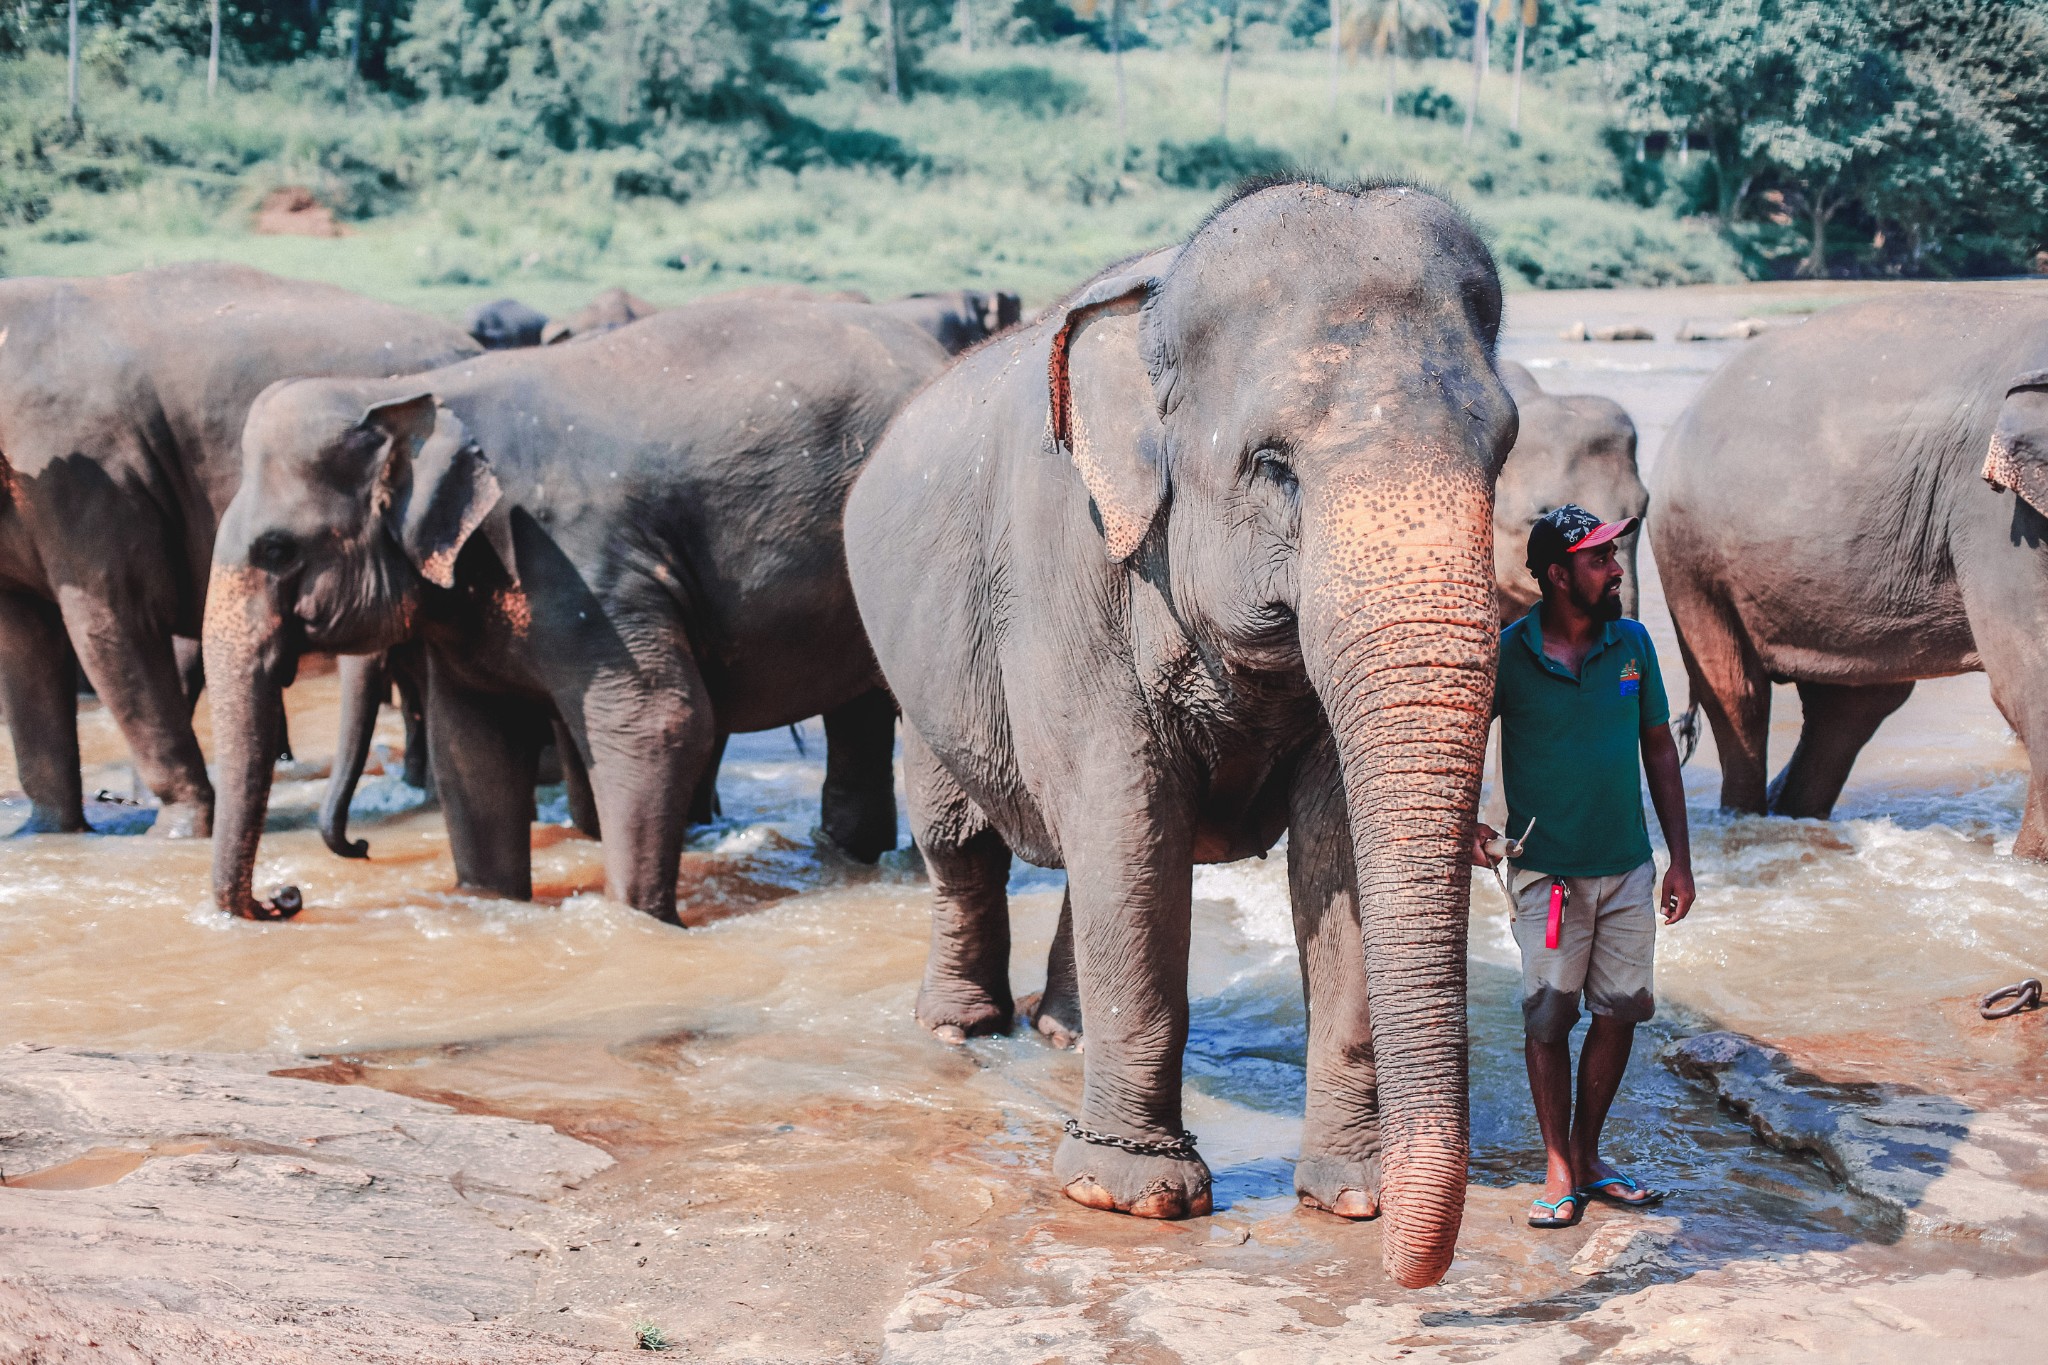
(1229,54)
(1479,51)
(1922,123)
(1389,27)
(1526,15)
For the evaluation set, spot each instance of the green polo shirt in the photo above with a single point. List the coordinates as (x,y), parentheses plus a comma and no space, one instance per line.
(1571,750)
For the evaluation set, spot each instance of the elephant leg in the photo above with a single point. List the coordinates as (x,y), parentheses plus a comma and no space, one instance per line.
(1838,722)
(1130,871)
(135,671)
(649,734)
(704,806)
(576,779)
(1056,1010)
(407,672)
(966,987)
(858,806)
(2016,663)
(486,754)
(191,670)
(38,687)
(1339,1170)
(1728,682)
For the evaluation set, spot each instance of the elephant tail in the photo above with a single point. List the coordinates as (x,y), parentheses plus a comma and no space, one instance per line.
(1686,730)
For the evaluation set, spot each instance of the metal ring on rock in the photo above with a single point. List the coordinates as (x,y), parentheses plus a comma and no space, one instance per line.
(1181,1147)
(2024,996)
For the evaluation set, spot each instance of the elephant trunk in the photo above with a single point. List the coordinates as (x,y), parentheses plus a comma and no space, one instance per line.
(1398,634)
(364,687)
(247,664)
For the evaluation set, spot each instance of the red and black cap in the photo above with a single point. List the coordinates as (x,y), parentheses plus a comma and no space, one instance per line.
(1569,529)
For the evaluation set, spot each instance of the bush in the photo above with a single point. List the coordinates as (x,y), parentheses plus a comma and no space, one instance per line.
(1215,162)
(1428,102)
(1556,242)
(1034,91)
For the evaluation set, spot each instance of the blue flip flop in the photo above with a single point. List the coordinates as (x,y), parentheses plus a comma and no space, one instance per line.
(1575,1199)
(1601,1190)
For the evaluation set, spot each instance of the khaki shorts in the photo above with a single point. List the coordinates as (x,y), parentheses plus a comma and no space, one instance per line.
(1606,949)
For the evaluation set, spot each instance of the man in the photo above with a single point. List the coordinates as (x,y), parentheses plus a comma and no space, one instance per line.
(1579,696)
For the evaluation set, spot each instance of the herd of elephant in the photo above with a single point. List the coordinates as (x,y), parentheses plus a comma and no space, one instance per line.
(1213,549)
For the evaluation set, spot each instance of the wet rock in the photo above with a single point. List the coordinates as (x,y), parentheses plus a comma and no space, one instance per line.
(243,1204)
(1629,1245)
(1579,331)
(1937,1166)
(1740,330)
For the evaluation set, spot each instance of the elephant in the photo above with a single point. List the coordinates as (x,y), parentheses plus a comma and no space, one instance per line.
(961,317)
(1201,556)
(121,409)
(1572,448)
(638,535)
(367,681)
(1853,505)
(612,309)
(505,324)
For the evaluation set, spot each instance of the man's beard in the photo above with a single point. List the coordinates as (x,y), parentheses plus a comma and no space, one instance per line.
(1605,607)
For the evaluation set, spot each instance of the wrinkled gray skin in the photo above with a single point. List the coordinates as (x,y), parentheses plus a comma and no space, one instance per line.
(638,534)
(1572,448)
(121,408)
(610,310)
(960,318)
(1824,517)
(505,324)
(1203,555)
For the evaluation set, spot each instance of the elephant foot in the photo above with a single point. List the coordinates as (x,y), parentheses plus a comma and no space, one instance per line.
(961,1012)
(1116,1181)
(864,846)
(49,820)
(1348,1189)
(183,820)
(1057,1021)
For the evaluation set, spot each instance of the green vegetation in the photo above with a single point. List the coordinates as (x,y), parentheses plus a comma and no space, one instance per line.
(648,1337)
(547,148)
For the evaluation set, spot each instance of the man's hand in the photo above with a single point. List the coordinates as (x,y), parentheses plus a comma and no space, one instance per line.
(1678,892)
(1482,835)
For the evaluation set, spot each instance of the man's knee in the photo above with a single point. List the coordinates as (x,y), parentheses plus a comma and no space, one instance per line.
(1548,1014)
(1637,1007)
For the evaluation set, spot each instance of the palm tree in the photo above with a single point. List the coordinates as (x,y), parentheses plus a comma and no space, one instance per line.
(1525,19)
(1388,26)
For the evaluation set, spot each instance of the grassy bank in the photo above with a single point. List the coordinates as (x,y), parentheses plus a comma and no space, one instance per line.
(1009,174)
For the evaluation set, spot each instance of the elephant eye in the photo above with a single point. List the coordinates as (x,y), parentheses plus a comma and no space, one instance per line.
(274,551)
(1271,464)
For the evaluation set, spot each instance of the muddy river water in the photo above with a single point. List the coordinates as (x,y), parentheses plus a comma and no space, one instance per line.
(804,1174)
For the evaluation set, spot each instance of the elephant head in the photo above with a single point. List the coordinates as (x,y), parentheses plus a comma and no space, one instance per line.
(2018,458)
(1571,448)
(350,508)
(1292,425)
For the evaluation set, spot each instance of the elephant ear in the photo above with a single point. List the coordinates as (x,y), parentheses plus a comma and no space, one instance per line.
(436,486)
(1103,412)
(2019,445)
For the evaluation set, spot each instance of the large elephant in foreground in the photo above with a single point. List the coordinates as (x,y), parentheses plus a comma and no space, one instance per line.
(121,408)
(638,534)
(1203,555)
(1572,448)
(1853,505)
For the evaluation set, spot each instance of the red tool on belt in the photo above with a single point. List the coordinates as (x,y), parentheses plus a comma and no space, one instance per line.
(1556,922)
